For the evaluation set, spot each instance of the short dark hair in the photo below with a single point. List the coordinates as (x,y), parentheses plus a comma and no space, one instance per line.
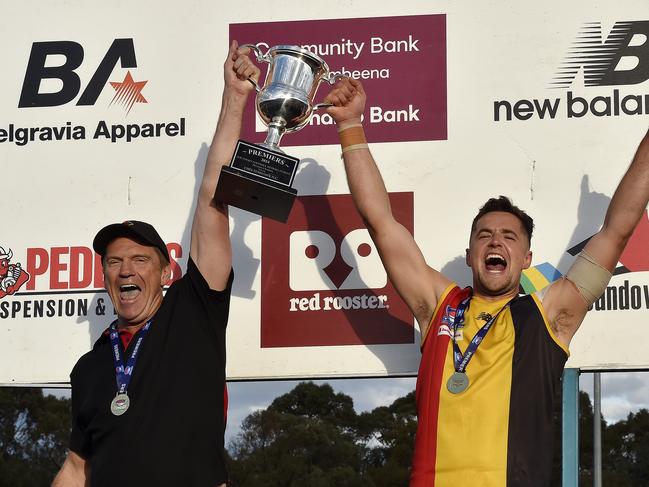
(503,203)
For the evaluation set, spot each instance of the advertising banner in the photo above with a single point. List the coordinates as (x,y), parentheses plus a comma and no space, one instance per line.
(107,116)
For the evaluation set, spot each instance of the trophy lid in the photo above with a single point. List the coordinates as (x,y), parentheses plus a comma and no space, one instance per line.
(288,49)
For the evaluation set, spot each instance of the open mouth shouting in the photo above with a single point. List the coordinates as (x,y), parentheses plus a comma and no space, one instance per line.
(495,262)
(128,292)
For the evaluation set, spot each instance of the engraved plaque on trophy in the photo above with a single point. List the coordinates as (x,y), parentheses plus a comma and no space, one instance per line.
(260,176)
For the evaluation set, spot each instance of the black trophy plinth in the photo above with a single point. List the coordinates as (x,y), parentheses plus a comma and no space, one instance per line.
(259,180)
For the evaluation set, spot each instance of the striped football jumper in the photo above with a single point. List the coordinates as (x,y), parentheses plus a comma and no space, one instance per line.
(498,432)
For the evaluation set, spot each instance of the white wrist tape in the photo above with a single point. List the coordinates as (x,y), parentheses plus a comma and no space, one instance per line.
(590,277)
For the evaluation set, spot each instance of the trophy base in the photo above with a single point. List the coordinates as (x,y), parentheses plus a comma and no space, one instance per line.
(255,194)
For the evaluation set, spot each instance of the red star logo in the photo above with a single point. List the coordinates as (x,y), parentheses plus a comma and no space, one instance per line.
(128,92)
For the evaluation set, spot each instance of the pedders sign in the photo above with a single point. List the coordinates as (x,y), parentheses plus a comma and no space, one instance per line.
(76,268)
(323,283)
(52,282)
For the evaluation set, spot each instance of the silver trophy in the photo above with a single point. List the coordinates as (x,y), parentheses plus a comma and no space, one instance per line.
(260,176)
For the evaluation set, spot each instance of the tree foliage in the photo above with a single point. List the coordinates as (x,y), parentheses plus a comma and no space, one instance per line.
(304,438)
(309,437)
(625,455)
(389,435)
(34,433)
(312,437)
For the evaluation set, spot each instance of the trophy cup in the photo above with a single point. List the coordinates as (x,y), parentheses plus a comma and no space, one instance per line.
(260,176)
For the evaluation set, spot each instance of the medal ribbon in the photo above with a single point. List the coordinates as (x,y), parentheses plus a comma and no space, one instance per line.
(123,373)
(462,361)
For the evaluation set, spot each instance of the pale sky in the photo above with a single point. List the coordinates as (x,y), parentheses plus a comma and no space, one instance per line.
(622,392)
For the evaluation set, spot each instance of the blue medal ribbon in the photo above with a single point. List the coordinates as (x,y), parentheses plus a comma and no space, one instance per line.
(461,361)
(123,373)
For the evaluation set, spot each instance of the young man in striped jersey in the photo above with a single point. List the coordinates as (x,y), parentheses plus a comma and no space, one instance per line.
(491,360)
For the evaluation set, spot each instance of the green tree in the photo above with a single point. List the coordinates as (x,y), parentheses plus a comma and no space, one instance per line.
(389,433)
(586,418)
(34,433)
(312,437)
(626,451)
(305,438)
(625,448)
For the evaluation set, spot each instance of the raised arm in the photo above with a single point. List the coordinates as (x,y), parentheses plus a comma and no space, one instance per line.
(565,304)
(418,284)
(210,244)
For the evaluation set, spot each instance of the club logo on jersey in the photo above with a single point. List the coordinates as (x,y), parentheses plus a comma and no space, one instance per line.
(483,316)
(446,324)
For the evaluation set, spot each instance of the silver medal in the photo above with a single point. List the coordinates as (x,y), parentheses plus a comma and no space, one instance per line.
(119,405)
(457,383)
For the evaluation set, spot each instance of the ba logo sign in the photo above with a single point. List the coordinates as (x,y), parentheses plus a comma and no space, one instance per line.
(322,279)
(45,68)
(621,59)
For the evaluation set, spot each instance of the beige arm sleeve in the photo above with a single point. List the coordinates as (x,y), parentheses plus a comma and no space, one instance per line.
(590,277)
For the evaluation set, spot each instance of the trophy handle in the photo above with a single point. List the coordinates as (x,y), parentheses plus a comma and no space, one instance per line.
(261,58)
(331,79)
